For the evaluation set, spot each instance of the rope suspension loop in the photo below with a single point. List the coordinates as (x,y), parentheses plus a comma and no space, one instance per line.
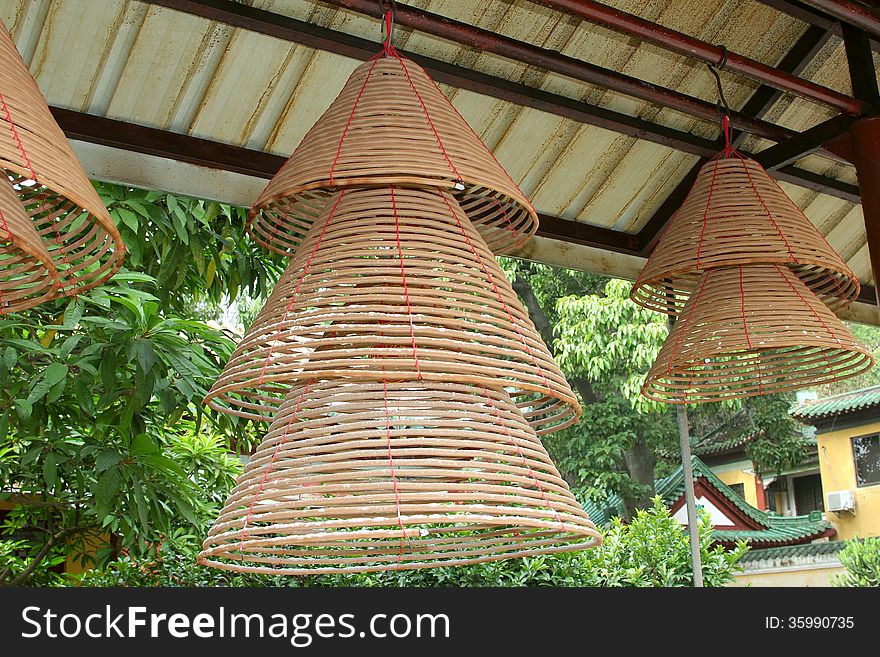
(387,8)
(721,103)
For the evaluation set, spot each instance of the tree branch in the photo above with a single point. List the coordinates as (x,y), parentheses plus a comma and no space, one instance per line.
(539,318)
(43,552)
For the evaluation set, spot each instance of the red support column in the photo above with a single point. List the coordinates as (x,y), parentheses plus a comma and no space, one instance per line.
(865,136)
(760,492)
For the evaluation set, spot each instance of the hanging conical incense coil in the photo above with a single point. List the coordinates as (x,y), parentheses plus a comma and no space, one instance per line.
(752,330)
(27,275)
(736,214)
(391,124)
(356,477)
(394,284)
(38,165)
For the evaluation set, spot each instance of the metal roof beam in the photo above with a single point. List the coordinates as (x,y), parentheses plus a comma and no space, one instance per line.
(216,155)
(809,141)
(689,46)
(795,60)
(551,60)
(315,36)
(809,15)
(852,13)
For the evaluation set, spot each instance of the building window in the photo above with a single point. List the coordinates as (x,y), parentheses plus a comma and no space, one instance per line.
(739,489)
(866,454)
(808,494)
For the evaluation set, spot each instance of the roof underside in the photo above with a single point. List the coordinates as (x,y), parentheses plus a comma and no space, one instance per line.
(152,66)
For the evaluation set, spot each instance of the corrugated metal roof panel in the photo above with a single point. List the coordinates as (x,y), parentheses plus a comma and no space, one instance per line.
(157,67)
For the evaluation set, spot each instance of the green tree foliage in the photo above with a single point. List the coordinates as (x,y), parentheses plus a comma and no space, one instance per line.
(91,402)
(103,434)
(870,337)
(196,251)
(593,453)
(652,550)
(605,344)
(610,340)
(861,558)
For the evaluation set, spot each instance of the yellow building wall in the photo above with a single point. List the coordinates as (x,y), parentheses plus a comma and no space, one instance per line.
(838,470)
(793,577)
(744,478)
(73,563)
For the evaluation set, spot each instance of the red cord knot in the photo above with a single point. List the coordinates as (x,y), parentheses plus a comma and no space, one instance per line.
(388,48)
(725,125)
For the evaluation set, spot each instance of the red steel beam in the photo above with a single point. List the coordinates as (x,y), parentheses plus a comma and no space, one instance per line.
(315,36)
(852,13)
(551,60)
(689,46)
(866,150)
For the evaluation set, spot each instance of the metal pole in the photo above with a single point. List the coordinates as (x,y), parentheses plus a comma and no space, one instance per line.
(688,467)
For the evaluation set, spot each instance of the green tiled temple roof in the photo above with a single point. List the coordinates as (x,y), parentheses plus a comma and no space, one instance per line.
(729,436)
(773,529)
(795,551)
(847,402)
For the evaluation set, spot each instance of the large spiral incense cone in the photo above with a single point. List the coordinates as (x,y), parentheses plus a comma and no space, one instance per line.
(363,476)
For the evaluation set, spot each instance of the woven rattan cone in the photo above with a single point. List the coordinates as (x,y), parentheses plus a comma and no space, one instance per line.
(394,284)
(27,275)
(736,214)
(391,124)
(52,188)
(375,476)
(752,330)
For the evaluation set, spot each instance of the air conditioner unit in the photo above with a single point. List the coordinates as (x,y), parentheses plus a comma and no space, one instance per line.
(841,500)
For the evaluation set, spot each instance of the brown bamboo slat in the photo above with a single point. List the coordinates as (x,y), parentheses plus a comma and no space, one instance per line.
(752,330)
(27,275)
(41,169)
(394,283)
(736,214)
(365,476)
(391,124)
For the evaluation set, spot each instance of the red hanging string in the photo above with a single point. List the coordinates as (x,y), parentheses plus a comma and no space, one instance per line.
(412,85)
(495,289)
(677,346)
(706,214)
(350,119)
(387,47)
(295,294)
(15,136)
(769,213)
(271,466)
(745,321)
(412,330)
(393,474)
(725,128)
(819,319)
(523,459)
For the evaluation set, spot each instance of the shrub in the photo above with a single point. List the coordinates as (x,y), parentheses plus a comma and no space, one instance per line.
(651,550)
(861,558)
